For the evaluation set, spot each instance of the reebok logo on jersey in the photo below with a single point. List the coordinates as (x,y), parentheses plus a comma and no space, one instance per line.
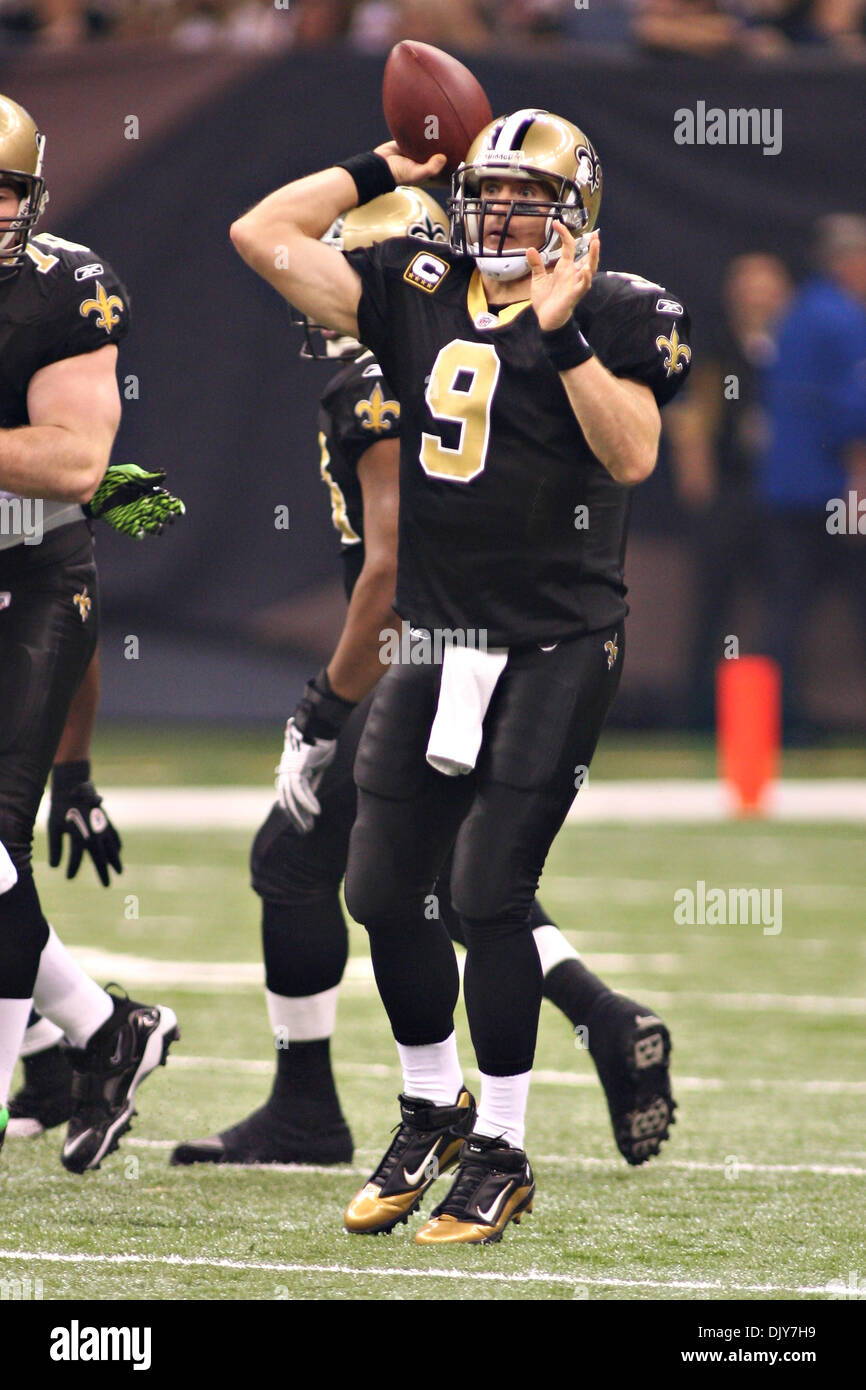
(426,272)
(668,306)
(86,272)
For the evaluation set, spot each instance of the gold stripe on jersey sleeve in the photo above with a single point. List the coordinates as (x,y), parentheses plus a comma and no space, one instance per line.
(339,511)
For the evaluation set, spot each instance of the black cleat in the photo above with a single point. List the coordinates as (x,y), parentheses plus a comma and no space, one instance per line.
(494,1185)
(45,1099)
(106,1073)
(426,1143)
(264,1137)
(631,1049)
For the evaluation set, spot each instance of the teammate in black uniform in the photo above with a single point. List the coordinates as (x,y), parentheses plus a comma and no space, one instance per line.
(299,856)
(62,313)
(530,390)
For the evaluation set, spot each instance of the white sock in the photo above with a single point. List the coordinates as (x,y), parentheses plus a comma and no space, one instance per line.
(552,948)
(502,1108)
(42,1035)
(302,1018)
(14,1014)
(432,1072)
(66,995)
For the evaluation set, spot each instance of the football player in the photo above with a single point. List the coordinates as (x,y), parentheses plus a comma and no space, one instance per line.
(530,388)
(62,314)
(299,856)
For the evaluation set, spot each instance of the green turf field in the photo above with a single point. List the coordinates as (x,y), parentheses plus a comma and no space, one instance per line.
(761,1192)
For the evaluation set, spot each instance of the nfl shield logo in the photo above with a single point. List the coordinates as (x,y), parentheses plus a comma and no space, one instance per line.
(5,600)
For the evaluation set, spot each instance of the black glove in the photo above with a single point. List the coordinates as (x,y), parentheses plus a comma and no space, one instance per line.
(76,811)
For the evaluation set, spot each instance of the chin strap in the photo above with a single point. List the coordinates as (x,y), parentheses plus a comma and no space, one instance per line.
(513,267)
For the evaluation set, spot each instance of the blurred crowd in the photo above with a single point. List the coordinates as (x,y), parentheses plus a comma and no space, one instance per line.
(768,449)
(762,28)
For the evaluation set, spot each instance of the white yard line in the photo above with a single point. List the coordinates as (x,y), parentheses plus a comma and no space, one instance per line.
(367,1272)
(587,1079)
(651,802)
(207,975)
(574,1161)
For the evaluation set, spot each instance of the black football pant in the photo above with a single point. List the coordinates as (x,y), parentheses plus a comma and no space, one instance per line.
(49,616)
(540,733)
(298,877)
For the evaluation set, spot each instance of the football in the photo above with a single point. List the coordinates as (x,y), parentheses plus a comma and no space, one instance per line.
(433,104)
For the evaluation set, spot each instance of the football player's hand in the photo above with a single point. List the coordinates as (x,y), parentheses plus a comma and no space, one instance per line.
(300,770)
(76,811)
(134,501)
(404,169)
(556,290)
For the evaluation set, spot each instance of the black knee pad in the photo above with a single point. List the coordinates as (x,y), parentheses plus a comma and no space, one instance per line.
(305,945)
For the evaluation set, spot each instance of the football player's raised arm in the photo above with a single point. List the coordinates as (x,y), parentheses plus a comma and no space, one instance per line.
(356,665)
(74,409)
(279,239)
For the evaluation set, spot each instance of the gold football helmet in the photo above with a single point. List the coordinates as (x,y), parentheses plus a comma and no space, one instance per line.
(21,152)
(532,145)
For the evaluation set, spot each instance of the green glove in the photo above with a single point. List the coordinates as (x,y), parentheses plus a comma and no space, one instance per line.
(132,501)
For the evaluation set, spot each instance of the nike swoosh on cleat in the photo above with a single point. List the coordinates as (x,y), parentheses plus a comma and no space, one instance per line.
(489,1216)
(412,1178)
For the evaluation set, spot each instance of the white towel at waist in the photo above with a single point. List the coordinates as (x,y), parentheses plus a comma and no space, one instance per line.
(469,678)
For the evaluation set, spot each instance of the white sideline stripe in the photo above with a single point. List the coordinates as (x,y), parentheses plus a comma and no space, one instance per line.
(831,1170)
(246,974)
(361,1271)
(657,801)
(193,974)
(259,1066)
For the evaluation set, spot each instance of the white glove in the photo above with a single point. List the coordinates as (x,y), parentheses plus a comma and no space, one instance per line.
(300,771)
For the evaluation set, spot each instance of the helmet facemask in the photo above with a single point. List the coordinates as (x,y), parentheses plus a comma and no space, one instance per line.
(15,231)
(469,212)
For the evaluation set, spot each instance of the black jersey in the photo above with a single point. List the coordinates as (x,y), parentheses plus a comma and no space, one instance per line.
(62,302)
(508,522)
(357,410)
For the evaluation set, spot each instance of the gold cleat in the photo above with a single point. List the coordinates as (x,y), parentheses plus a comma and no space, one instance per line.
(494,1185)
(427,1143)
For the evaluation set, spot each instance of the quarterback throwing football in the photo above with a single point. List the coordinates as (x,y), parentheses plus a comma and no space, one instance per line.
(530,388)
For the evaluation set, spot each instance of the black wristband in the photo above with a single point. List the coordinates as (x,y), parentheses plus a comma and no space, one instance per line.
(566,346)
(372,175)
(321,713)
(66,776)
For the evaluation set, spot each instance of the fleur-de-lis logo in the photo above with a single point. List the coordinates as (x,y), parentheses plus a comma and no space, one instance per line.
(612,652)
(104,305)
(588,167)
(377,410)
(83,602)
(427,229)
(677,352)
